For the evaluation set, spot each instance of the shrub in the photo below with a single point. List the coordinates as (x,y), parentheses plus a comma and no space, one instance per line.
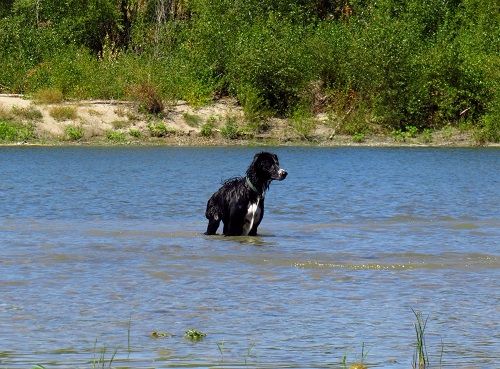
(358,137)
(270,65)
(74,133)
(116,136)
(191,120)
(61,113)
(207,129)
(303,123)
(489,131)
(426,136)
(50,95)
(160,129)
(10,131)
(230,130)
(135,133)
(5,114)
(117,124)
(148,98)
(28,113)
(403,135)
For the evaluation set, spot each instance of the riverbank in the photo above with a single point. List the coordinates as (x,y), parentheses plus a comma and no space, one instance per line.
(102,122)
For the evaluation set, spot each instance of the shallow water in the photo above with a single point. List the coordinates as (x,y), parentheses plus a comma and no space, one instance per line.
(99,247)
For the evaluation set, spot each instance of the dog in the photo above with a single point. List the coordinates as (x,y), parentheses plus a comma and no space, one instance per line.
(239,203)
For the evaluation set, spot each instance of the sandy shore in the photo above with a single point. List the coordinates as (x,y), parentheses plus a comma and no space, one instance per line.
(97,119)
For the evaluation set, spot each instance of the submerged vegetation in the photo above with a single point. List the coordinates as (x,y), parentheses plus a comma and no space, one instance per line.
(370,65)
(420,357)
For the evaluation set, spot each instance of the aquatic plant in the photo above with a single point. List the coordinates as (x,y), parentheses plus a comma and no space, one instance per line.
(220,346)
(194,335)
(99,361)
(358,364)
(159,334)
(420,357)
(249,351)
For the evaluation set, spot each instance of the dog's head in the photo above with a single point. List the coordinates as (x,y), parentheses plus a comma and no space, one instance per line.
(267,167)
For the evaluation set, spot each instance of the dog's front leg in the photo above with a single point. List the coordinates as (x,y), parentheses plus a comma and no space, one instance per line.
(260,215)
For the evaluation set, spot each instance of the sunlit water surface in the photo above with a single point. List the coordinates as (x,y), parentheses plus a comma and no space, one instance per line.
(99,247)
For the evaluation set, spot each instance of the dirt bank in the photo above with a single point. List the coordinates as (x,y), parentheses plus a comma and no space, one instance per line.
(220,123)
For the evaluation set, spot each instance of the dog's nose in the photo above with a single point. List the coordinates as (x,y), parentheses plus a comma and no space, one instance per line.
(282,173)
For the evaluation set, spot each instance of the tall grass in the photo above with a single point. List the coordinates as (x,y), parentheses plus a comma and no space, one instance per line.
(420,356)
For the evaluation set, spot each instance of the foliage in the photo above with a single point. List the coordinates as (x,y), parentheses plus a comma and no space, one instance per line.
(403,135)
(116,136)
(148,98)
(74,132)
(392,63)
(191,120)
(303,123)
(159,129)
(27,113)
(49,95)
(61,113)
(135,133)
(12,132)
(207,129)
(420,357)
(194,335)
(230,130)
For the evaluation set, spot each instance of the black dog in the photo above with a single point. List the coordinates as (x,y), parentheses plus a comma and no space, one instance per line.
(239,203)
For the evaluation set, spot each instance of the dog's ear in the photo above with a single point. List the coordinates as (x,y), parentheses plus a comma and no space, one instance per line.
(256,156)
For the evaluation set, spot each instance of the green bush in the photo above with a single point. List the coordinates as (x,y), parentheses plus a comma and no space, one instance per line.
(160,129)
(74,132)
(207,129)
(116,136)
(230,130)
(13,132)
(303,123)
(135,133)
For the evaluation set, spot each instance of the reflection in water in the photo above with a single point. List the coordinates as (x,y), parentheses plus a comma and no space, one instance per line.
(351,242)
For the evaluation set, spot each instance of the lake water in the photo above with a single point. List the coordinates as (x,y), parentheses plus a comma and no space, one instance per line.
(100,247)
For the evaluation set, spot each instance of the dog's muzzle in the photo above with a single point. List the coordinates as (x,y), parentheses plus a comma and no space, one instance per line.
(282,174)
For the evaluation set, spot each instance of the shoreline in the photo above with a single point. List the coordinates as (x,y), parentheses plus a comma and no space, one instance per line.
(222,123)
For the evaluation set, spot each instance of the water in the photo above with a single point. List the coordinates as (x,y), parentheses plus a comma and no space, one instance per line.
(99,247)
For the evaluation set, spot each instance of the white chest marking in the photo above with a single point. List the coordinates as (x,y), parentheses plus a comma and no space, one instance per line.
(253,214)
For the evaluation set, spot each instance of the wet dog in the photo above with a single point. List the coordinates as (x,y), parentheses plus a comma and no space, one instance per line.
(239,203)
